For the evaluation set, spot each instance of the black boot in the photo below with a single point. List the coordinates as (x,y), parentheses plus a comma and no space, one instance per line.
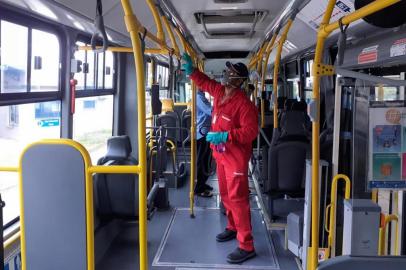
(239,255)
(226,235)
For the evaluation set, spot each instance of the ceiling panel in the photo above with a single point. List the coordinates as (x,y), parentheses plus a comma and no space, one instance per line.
(187,8)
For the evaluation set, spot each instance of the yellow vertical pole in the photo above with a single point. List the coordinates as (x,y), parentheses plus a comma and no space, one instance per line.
(193,151)
(315,141)
(276,71)
(133,27)
(264,71)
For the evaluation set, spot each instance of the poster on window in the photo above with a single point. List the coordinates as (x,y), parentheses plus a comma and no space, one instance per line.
(387,145)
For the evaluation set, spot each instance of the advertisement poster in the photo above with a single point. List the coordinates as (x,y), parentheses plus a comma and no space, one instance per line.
(387,145)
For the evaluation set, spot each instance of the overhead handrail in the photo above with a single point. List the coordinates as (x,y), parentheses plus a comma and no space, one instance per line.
(319,69)
(331,226)
(171,36)
(382,234)
(276,71)
(129,50)
(160,32)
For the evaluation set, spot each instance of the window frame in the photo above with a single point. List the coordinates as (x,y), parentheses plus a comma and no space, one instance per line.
(18,98)
(93,92)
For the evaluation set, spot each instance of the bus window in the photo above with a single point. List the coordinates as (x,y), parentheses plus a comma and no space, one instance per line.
(44,62)
(93,123)
(13,57)
(21,125)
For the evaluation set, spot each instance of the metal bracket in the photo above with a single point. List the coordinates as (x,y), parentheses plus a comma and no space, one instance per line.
(323,70)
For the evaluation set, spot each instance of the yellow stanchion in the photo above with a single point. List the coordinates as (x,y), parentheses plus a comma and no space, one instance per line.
(264,71)
(193,151)
(276,72)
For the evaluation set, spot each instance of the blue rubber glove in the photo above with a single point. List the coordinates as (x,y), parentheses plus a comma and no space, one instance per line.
(217,137)
(188,65)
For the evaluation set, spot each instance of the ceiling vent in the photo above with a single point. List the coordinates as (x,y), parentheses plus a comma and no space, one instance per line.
(227,17)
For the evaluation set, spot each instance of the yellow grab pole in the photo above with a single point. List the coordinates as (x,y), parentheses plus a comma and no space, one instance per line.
(160,33)
(135,169)
(193,151)
(314,247)
(264,71)
(333,206)
(276,71)
(382,235)
(171,36)
(133,27)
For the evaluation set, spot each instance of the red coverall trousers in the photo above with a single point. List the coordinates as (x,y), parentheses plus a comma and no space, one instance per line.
(239,117)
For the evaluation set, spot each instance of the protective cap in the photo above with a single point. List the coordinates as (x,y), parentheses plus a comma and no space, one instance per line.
(238,68)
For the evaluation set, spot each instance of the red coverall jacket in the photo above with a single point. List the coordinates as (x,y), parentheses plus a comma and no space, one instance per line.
(238,116)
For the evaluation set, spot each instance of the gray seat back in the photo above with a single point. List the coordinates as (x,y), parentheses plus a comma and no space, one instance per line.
(294,124)
(364,262)
(116,195)
(286,166)
(170,119)
(54,213)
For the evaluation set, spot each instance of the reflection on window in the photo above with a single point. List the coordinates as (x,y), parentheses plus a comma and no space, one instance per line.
(93,124)
(13,57)
(149,75)
(386,93)
(162,76)
(21,125)
(97,69)
(44,62)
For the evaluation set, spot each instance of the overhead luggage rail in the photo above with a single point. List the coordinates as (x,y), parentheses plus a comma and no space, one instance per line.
(320,69)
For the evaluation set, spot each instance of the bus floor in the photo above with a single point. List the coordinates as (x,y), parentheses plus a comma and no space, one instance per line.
(178,242)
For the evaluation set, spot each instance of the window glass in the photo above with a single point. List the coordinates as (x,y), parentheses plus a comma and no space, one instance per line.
(108,70)
(13,57)
(89,80)
(44,62)
(162,76)
(149,75)
(21,125)
(80,76)
(93,124)
(100,70)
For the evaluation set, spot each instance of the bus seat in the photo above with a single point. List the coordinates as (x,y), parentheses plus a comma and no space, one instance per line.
(286,172)
(170,119)
(364,262)
(116,195)
(294,126)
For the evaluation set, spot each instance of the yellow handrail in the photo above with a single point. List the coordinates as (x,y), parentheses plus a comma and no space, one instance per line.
(9,169)
(128,50)
(332,206)
(160,32)
(264,71)
(324,31)
(382,235)
(134,27)
(171,36)
(276,71)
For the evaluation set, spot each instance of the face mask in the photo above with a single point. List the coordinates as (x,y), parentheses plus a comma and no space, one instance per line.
(230,79)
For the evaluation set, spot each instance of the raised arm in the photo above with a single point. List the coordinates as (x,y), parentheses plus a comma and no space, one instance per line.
(208,85)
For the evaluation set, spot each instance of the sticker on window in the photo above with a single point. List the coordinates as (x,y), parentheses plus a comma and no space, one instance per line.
(368,55)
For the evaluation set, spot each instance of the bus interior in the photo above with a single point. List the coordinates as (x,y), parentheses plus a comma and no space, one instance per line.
(98,126)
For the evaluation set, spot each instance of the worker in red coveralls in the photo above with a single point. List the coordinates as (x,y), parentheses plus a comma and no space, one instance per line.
(234,127)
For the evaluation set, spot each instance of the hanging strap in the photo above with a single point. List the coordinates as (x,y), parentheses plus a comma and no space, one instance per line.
(342,42)
(100,30)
